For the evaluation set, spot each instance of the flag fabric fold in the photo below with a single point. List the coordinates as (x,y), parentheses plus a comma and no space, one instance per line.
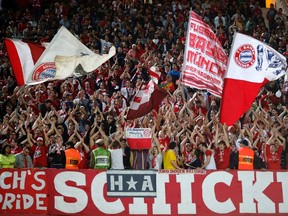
(23,57)
(205,61)
(145,100)
(252,64)
(155,74)
(65,65)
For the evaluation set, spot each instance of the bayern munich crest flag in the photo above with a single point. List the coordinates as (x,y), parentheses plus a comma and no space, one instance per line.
(148,97)
(252,64)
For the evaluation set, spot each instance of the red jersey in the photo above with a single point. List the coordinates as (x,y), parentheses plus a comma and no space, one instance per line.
(273,159)
(83,164)
(164,142)
(222,158)
(40,156)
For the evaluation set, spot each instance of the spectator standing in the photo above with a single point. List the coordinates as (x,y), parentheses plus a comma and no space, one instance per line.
(222,151)
(208,157)
(155,155)
(117,153)
(39,151)
(56,153)
(234,154)
(7,160)
(127,154)
(170,158)
(194,161)
(23,159)
(273,150)
(271,13)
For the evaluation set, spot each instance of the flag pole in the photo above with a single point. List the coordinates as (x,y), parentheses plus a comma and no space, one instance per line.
(184,57)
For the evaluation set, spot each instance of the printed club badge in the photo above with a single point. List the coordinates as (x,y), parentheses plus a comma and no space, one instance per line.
(44,71)
(245,56)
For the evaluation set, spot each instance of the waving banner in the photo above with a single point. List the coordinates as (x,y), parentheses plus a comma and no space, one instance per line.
(205,60)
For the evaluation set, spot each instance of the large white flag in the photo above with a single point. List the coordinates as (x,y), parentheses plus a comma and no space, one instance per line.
(205,61)
(63,43)
(252,64)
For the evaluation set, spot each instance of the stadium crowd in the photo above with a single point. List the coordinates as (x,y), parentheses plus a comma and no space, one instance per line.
(40,122)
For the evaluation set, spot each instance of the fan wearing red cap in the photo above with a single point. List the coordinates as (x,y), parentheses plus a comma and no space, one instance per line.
(39,151)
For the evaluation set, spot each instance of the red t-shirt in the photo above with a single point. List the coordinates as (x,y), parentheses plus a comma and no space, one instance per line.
(222,158)
(164,142)
(83,164)
(40,156)
(273,159)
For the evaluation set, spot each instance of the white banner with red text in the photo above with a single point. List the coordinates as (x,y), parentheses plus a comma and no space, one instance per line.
(205,60)
(137,192)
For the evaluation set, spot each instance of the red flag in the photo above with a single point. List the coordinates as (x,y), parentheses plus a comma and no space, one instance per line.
(145,100)
(23,57)
(155,74)
(205,60)
(252,64)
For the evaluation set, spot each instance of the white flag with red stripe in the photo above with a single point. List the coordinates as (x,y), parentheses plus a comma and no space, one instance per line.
(23,57)
(155,74)
(145,100)
(205,61)
(252,64)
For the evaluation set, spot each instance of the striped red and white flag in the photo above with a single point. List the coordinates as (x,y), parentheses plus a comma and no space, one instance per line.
(23,57)
(155,74)
(145,100)
(205,60)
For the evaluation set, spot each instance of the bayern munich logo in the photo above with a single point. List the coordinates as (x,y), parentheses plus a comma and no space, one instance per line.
(147,132)
(44,71)
(245,56)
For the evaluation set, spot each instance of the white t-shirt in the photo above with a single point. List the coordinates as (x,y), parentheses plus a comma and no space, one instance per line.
(212,164)
(157,162)
(117,158)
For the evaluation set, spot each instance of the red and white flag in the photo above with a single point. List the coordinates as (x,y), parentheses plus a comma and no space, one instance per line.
(205,61)
(139,138)
(252,64)
(145,100)
(155,74)
(23,57)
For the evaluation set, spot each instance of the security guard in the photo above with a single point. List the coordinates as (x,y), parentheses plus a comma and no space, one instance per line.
(100,157)
(72,156)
